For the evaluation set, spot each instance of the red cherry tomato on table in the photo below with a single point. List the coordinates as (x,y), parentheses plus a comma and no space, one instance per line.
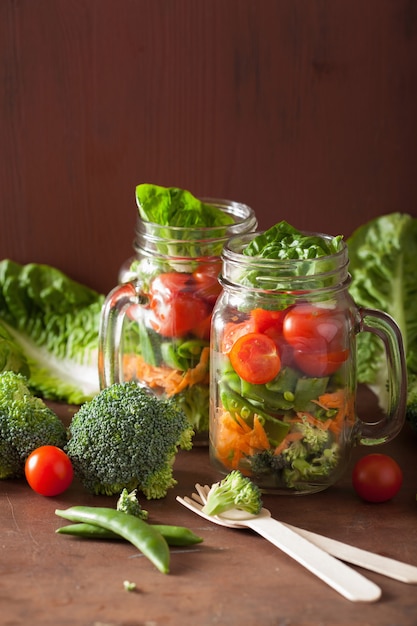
(49,471)
(176,308)
(317,336)
(255,358)
(377,478)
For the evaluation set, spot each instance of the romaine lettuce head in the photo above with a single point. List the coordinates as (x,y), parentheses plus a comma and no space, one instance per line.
(12,357)
(49,325)
(383,265)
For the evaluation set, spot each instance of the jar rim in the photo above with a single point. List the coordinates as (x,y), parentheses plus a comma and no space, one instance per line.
(244,220)
(282,275)
(233,251)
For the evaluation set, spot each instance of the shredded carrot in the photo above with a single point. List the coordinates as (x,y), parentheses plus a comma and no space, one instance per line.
(342,400)
(292,436)
(333,400)
(172,381)
(323,425)
(259,439)
(197,374)
(235,439)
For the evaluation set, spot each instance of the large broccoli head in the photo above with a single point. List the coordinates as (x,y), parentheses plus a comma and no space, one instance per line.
(26,423)
(127,438)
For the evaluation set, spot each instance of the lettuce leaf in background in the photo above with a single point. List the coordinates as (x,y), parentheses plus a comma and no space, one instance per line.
(383,265)
(12,356)
(49,328)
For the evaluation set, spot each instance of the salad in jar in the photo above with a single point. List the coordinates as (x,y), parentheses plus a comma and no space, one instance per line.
(283,375)
(156,324)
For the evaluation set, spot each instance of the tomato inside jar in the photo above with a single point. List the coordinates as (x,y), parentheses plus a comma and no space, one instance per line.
(178,305)
(281,396)
(255,358)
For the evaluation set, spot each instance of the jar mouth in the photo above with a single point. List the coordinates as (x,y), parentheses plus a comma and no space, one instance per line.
(267,274)
(244,220)
(194,241)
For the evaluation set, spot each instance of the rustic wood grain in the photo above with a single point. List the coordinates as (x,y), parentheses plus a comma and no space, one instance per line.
(306,110)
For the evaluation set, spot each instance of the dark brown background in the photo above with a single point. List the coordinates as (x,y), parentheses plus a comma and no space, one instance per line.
(304,109)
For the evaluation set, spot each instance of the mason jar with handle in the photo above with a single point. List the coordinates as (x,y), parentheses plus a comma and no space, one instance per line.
(284,372)
(155,325)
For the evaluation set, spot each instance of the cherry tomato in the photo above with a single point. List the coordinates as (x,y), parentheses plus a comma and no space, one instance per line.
(377,478)
(49,470)
(175,306)
(319,363)
(265,320)
(232,331)
(207,281)
(270,323)
(255,358)
(317,336)
(203,328)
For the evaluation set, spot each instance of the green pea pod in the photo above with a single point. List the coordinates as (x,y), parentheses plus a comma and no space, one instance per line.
(171,357)
(142,535)
(178,535)
(231,380)
(275,428)
(308,389)
(191,349)
(270,399)
(173,535)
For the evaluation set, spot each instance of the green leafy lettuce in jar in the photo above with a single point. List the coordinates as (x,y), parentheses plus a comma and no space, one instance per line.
(156,323)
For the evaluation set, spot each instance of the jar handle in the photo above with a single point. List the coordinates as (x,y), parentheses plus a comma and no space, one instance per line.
(384,326)
(113,313)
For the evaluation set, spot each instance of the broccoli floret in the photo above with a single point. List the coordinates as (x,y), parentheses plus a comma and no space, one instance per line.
(311,456)
(295,450)
(314,438)
(126,438)
(26,423)
(411,407)
(128,503)
(235,491)
(303,469)
(267,461)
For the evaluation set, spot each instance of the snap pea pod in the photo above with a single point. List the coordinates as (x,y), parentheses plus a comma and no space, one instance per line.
(235,404)
(142,535)
(173,535)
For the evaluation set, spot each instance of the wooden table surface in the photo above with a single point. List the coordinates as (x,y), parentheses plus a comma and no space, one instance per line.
(233,578)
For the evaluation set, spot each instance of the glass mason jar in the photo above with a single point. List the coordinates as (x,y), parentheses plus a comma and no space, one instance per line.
(283,370)
(155,325)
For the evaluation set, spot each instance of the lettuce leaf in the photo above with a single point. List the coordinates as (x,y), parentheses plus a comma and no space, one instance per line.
(295,255)
(12,356)
(284,242)
(383,263)
(186,226)
(171,206)
(49,327)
